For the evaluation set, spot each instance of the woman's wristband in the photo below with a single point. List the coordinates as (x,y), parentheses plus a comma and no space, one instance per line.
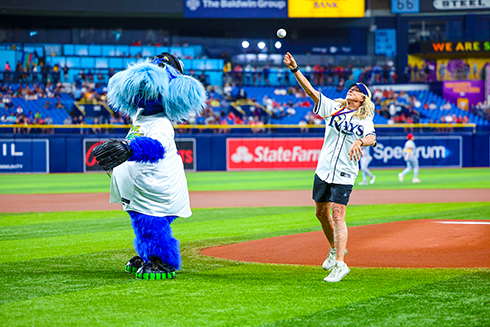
(362,143)
(294,70)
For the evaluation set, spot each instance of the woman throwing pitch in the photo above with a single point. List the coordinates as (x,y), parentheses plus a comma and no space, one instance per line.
(348,127)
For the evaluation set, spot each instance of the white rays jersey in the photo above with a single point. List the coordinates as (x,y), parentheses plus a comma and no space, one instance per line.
(341,130)
(156,189)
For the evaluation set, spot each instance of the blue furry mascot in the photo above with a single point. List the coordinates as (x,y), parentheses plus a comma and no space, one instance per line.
(148,176)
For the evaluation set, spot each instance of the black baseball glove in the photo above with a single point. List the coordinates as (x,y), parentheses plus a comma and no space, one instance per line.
(112,153)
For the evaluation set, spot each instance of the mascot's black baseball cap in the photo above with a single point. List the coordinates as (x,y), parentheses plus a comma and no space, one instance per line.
(364,89)
(166,58)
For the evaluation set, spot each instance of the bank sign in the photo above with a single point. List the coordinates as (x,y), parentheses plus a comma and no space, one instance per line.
(303,153)
(24,156)
(235,9)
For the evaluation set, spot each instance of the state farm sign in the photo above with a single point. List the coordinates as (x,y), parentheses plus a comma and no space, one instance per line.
(272,153)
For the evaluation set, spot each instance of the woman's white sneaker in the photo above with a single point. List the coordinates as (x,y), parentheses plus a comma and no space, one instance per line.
(329,262)
(338,272)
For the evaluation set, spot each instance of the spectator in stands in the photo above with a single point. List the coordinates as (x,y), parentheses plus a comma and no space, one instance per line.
(203,78)
(18,72)
(257,77)
(408,73)
(290,109)
(227,90)
(81,121)
(56,74)
(66,71)
(47,105)
(31,95)
(19,110)
(68,121)
(96,129)
(432,106)
(266,74)
(12,118)
(280,74)
(4,119)
(80,77)
(89,97)
(7,101)
(59,105)
(90,76)
(257,125)
(76,92)
(286,78)
(446,106)
(303,126)
(8,70)
(247,71)
(318,74)
(238,74)
(268,103)
(49,121)
(22,120)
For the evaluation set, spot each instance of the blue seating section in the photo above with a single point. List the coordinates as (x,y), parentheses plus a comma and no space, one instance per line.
(95,57)
(58,115)
(429,97)
(258,92)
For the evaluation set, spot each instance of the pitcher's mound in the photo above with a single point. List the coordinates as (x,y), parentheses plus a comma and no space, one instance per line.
(406,244)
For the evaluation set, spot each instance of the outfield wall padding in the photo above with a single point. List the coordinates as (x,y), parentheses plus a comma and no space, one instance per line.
(68,153)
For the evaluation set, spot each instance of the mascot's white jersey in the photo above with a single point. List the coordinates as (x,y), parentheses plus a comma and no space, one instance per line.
(156,189)
(341,130)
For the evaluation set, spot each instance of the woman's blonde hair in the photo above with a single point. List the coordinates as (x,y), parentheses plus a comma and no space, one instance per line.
(365,110)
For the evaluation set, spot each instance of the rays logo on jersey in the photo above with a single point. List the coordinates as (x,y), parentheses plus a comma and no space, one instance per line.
(134,132)
(344,125)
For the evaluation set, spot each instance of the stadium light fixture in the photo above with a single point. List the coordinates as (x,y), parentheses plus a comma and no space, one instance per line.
(278,44)
(261,45)
(245,44)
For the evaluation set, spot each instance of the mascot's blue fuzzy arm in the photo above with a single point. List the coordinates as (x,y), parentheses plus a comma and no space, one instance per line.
(186,95)
(146,149)
(141,80)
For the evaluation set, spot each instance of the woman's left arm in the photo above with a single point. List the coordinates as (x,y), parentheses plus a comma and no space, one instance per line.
(355,152)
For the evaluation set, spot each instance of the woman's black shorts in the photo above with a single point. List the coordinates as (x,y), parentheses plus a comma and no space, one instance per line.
(325,192)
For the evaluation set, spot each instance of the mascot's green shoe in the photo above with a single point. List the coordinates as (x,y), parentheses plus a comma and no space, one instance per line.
(134,264)
(155,269)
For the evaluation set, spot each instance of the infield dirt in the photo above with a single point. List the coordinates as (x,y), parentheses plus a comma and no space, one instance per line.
(415,243)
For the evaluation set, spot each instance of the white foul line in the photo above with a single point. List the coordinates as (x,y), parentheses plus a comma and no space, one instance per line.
(465,222)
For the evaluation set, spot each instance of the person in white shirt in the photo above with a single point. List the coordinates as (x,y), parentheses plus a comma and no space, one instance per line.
(348,127)
(364,163)
(411,158)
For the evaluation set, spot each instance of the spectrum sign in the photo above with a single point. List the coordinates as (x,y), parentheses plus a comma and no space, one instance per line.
(272,153)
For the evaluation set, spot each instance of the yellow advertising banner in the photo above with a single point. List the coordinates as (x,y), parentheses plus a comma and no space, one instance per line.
(325,8)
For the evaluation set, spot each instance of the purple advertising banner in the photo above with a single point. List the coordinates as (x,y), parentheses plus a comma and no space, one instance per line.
(464,93)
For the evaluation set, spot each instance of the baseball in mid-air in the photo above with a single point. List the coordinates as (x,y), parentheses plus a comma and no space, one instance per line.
(281,33)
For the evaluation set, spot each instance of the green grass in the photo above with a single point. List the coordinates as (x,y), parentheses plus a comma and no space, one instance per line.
(230,181)
(66,269)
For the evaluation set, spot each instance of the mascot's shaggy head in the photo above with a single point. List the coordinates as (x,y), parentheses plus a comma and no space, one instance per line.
(156,85)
